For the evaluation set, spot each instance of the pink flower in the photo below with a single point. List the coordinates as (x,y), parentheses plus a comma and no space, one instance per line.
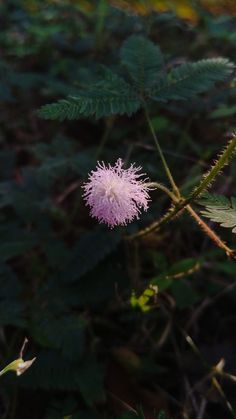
(116,195)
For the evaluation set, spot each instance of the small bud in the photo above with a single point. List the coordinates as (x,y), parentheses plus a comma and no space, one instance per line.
(23,366)
(19,366)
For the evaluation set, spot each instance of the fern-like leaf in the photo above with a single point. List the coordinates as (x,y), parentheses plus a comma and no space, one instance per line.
(187,80)
(220,209)
(142,59)
(108,97)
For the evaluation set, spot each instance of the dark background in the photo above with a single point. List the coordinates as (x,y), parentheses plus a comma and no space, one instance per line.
(75,288)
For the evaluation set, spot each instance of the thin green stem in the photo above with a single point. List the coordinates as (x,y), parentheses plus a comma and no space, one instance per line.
(163,188)
(164,162)
(157,225)
(105,137)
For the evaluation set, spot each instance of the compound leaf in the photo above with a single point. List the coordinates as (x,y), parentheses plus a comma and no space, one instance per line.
(143,60)
(108,97)
(220,209)
(187,80)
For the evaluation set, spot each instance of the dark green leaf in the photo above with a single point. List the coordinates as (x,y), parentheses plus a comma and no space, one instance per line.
(142,59)
(109,97)
(89,251)
(187,80)
(184,294)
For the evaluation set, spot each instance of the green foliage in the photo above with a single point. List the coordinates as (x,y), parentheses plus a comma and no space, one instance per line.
(65,281)
(12,313)
(223,112)
(176,279)
(181,269)
(55,372)
(63,333)
(220,209)
(111,97)
(89,251)
(17,242)
(143,62)
(187,80)
(184,294)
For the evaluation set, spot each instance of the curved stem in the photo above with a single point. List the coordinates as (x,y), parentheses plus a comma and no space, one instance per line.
(157,225)
(163,188)
(173,211)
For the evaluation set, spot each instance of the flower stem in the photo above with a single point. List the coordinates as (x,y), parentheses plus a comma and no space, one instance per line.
(109,124)
(181,203)
(163,188)
(171,213)
(164,162)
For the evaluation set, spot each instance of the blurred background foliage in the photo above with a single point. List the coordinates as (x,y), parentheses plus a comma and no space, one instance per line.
(110,321)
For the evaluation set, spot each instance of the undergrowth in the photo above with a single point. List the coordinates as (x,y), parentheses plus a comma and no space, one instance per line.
(137,321)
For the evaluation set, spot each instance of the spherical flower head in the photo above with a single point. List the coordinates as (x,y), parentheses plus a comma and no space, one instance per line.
(116,195)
